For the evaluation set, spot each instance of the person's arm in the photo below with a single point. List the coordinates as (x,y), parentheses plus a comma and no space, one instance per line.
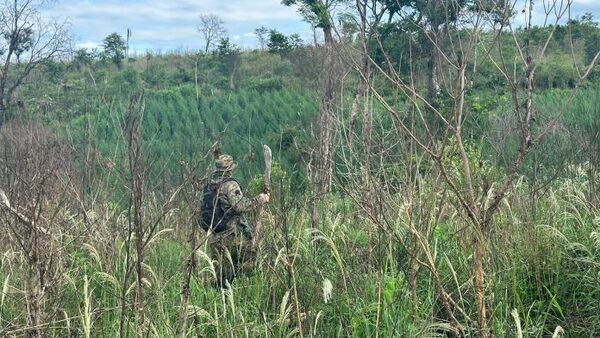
(235,199)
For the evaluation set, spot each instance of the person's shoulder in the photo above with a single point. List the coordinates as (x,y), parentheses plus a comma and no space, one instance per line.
(230,184)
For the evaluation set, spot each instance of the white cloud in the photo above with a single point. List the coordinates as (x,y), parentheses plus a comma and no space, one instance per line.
(87,45)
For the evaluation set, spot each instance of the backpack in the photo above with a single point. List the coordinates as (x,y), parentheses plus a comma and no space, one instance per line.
(213,216)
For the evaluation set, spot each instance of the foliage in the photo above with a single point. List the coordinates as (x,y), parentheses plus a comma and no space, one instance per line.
(114,48)
(280,44)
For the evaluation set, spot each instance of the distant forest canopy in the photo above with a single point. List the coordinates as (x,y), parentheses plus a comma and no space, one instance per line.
(271,94)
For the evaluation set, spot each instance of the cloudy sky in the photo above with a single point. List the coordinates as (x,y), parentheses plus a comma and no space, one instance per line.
(167,25)
(172,25)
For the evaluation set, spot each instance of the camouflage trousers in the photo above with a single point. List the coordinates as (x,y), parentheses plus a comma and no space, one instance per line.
(233,254)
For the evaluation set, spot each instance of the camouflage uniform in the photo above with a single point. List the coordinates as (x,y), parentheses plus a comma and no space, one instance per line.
(235,241)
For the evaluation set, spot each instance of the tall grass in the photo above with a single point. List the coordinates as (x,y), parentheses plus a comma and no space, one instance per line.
(347,278)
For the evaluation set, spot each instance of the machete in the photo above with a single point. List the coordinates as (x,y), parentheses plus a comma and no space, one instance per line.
(267,187)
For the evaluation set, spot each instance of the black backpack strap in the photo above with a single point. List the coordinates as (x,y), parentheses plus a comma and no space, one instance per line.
(213,214)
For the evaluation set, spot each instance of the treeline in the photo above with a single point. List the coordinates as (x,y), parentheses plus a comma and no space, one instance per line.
(271,94)
(410,49)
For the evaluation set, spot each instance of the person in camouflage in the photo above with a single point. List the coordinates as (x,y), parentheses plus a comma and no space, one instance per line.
(231,247)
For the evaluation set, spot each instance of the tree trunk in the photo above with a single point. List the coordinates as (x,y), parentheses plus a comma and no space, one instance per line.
(190,268)
(232,76)
(327,117)
(434,64)
(478,268)
(139,233)
(367,130)
(354,114)
(2,113)
(323,173)
(133,131)
(361,98)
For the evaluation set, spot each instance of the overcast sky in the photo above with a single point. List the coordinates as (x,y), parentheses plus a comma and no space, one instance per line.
(172,25)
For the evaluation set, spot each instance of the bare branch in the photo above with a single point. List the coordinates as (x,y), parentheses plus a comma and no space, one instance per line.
(212,29)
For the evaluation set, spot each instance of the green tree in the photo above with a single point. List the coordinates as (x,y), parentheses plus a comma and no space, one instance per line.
(114,48)
(20,42)
(590,34)
(82,57)
(295,41)
(230,59)
(591,49)
(436,17)
(278,43)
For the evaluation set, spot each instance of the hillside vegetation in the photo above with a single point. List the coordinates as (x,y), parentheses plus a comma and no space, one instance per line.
(93,148)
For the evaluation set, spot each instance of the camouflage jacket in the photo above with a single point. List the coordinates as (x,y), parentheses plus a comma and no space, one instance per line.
(232,198)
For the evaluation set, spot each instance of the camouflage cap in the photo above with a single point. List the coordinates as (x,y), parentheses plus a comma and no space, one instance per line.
(225,163)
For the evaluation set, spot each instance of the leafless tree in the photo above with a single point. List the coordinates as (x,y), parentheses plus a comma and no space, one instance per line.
(212,29)
(27,40)
(37,173)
